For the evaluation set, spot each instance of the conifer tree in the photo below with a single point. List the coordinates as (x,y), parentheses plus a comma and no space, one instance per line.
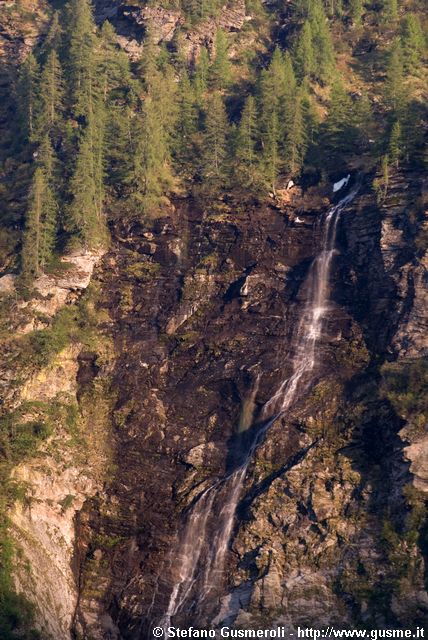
(52,41)
(84,219)
(362,119)
(214,148)
(270,156)
(295,141)
(339,132)
(41,216)
(187,120)
(51,96)
(113,67)
(150,176)
(394,87)
(245,152)
(321,41)
(82,64)
(200,79)
(28,96)
(413,43)
(395,143)
(304,55)
(220,71)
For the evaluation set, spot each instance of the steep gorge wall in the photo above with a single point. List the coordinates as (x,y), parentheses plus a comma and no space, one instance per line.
(201,305)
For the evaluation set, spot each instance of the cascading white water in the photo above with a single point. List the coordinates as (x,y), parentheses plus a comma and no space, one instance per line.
(206,536)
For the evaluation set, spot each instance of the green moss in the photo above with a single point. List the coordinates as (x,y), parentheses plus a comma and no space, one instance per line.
(143,270)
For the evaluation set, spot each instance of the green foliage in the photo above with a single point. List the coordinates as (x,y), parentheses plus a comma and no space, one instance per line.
(395,96)
(395,147)
(51,97)
(214,149)
(406,384)
(390,11)
(41,219)
(246,162)
(28,97)
(356,11)
(304,55)
(339,131)
(220,71)
(413,43)
(200,79)
(322,42)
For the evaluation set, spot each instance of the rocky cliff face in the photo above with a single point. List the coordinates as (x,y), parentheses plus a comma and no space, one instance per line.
(198,307)
(202,304)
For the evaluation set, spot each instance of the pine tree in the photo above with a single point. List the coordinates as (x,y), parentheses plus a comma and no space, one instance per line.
(413,43)
(84,215)
(186,122)
(296,141)
(51,96)
(362,118)
(41,217)
(395,143)
(214,148)
(52,41)
(28,97)
(82,67)
(220,71)
(147,65)
(245,152)
(200,79)
(113,67)
(150,175)
(321,41)
(394,87)
(304,55)
(339,131)
(270,156)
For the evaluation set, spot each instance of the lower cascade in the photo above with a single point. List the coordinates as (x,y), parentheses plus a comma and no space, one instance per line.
(195,566)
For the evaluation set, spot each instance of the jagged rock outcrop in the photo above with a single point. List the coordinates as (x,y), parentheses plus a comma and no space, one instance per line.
(166,25)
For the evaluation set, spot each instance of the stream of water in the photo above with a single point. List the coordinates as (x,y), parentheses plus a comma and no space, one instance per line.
(206,535)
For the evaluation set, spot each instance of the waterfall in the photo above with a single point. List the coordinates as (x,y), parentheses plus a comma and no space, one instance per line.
(205,538)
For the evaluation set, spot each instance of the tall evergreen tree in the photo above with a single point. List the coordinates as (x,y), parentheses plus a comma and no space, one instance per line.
(304,55)
(151,175)
(41,216)
(395,143)
(186,121)
(322,41)
(51,96)
(394,86)
(245,171)
(81,56)
(52,42)
(270,155)
(413,43)
(200,79)
(28,96)
(84,216)
(214,148)
(339,131)
(296,140)
(220,71)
